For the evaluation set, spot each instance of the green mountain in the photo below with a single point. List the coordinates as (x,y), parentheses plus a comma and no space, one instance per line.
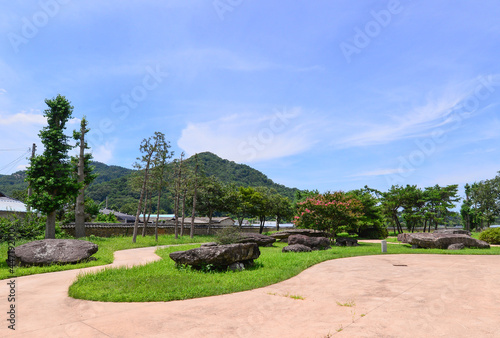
(116,183)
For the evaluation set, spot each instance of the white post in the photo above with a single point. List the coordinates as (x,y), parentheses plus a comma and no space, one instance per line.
(384,246)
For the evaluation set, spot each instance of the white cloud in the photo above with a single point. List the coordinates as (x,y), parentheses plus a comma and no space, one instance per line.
(104,153)
(382,172)
(22,118)
(249,138)
(2,91)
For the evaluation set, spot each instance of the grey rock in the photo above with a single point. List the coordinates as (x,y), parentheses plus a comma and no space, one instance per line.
(452,231)
(296,248)
(284,234)
(456,246)
(220,256)
(443,241)
(346,241)
(259,239)
(404,238)
(52,251)
(315,243)
(237,266)
(209,244)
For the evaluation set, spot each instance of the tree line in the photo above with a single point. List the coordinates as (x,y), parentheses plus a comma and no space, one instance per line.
(57,181)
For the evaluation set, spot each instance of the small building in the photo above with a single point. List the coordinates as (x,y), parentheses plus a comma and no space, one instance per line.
(218,221)
(10,206)
(161,219)
(120,216)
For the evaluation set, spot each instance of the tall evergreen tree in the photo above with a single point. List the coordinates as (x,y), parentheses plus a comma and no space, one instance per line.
(50,174)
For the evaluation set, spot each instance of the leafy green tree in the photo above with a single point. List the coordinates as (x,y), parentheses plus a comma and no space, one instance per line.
(371,223)
(211,195)
(281,208)
(51,174)
(160,161)
(262,205)
(438,201)
(148,148)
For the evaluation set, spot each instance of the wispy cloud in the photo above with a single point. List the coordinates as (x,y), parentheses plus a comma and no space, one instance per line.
(438,112)
(382,172)
(250,138)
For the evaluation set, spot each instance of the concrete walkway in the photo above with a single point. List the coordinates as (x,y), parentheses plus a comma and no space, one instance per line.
(371,296)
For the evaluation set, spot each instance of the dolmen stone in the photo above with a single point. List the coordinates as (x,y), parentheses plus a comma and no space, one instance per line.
(261,240)
(284,234)
(315,243)
(296,248)
(456,246)
(452,231)
(221,256)
(346,241)
(209,244)
(54,251)
(404,238)
(443,241)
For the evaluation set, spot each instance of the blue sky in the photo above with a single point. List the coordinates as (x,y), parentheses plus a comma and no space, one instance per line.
(328,95)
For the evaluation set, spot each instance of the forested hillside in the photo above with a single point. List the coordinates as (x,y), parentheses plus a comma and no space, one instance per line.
(116,182)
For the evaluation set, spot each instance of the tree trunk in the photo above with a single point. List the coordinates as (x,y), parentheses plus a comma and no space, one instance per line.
(262,220)
(50,226)
(277,223)
(191,231)
(176,213)
(209,222)
(183,212)
(148,211)
(138,213)
(80,199)
(157,213)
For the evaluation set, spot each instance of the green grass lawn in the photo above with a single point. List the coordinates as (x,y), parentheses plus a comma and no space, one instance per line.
(107,246)
(162,281)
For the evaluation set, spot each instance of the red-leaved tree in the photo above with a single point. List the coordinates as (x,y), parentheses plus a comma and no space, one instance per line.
(333,212)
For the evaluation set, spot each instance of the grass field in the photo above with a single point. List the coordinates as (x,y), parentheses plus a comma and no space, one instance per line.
(163,281)
(107,246)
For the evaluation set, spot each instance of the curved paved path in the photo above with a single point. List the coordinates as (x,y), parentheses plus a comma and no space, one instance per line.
(390,296)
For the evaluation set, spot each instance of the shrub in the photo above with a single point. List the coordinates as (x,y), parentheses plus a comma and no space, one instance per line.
(491,235)
(375,232)
(28,227)
(228,235)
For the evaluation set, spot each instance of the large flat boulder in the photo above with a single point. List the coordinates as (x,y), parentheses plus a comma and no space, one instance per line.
(259,239)
(452,231)
(315,243)
(54,251)
(219,256)
(284,234)
(443,241)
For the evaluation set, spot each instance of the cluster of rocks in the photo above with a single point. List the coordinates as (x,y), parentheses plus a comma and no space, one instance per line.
(53,251)
(284,234)
(259,239)
(451,239)
(232,256)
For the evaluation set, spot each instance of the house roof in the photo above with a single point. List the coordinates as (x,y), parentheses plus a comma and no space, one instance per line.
(119,215)
(11,204)
(204,220)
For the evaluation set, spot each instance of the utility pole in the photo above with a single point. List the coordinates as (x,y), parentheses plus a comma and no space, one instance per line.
(30,190)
